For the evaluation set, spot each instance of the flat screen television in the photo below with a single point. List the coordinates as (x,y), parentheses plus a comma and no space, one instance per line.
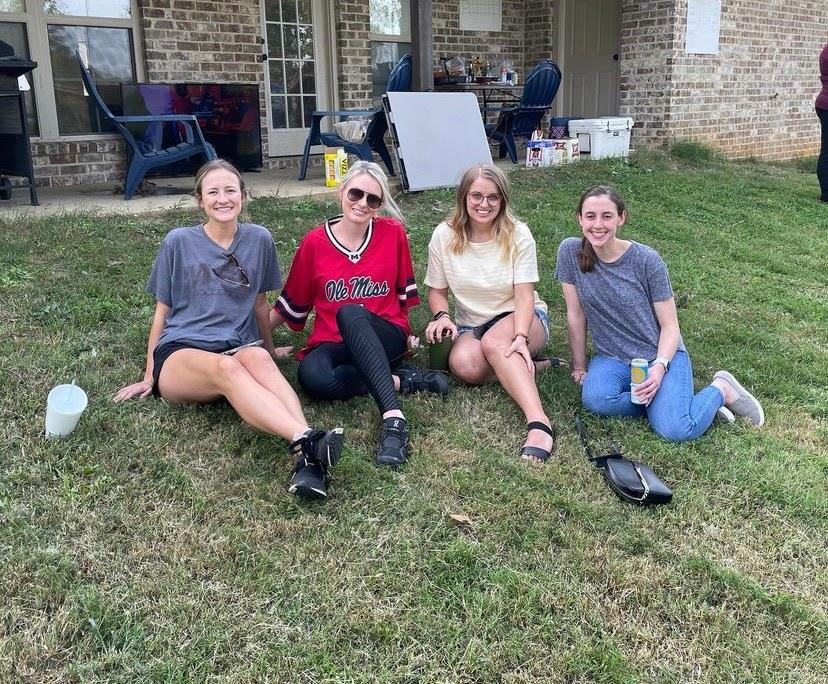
(228,114)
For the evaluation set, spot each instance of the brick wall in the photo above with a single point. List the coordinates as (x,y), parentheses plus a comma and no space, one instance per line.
(492,46)
(61,164)
(353,54)
(753,99)
(648,48)
(540,26)
(756,97)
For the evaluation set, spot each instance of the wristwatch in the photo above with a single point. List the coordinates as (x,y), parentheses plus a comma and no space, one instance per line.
(439,315)
(663,360)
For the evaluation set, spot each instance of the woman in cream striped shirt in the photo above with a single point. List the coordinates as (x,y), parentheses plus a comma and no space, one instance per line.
(486,258)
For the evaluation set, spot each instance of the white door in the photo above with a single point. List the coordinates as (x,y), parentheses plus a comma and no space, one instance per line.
(590,39)
(297,42)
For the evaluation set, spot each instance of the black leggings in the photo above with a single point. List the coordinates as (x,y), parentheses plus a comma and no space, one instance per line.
(360,364)
(822,162)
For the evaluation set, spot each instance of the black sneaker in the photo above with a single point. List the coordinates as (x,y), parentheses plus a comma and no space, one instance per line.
(309,480)
(316,451)
(417,380)
(393,443)
(326,446)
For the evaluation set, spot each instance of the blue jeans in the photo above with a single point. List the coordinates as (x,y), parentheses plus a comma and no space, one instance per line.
(674,413)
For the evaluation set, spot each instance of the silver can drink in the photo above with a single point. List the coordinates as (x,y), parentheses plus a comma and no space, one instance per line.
(638,374)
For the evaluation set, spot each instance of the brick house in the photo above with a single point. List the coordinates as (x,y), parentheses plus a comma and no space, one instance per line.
(752,97)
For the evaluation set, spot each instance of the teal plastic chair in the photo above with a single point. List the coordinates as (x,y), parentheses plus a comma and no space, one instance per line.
(142,158)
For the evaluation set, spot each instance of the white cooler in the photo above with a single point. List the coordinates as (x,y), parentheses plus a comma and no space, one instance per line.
(608,136)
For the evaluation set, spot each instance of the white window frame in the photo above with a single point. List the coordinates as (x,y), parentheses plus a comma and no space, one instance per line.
(37,23)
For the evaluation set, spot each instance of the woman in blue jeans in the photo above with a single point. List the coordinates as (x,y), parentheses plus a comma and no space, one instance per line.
(621,291)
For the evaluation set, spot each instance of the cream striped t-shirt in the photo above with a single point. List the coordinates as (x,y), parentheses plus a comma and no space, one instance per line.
(480,279)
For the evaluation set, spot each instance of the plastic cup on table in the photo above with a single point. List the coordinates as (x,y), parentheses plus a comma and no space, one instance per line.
(64,406)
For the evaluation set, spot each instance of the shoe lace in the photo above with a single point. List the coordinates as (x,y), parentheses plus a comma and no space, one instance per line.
(395,430)
(304,449)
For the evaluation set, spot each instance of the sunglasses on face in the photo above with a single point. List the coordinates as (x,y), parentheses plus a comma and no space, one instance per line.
(355,194)
(232,272)
(478,197)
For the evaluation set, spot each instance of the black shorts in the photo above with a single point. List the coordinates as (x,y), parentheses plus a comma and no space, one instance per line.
(164,351)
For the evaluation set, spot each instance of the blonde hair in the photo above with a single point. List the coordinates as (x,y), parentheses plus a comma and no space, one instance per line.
(503,225)
(212,166)
(373,169)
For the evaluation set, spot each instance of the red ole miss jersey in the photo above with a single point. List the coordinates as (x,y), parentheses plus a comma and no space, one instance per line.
(325,275)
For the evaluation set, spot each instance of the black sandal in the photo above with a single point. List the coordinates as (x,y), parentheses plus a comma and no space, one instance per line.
(531,453)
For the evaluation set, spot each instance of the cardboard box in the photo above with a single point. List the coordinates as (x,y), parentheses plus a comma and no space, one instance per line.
(565,151)
(336,166)
(539,153)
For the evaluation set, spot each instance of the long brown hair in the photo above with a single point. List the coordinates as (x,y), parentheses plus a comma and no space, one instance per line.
(586,255)
(503,226)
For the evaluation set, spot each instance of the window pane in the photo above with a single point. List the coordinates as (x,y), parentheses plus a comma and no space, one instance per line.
(116,9)
(277,107)
(390,17)
(274,41)
(277,78)
(12,6)
(272,10)
(308,78)
(292,75)
(309,104)
(304,16)
(383,58)
(14,34)
(306,42)
(288,11)
(109,52)
(294,112)
(291,44)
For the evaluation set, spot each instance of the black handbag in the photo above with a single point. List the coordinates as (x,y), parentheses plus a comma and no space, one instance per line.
(631,481)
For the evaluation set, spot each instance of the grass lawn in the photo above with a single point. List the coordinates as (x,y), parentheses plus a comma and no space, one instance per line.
(158,543)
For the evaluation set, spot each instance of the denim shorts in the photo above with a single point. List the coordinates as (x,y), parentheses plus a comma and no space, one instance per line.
(479,330)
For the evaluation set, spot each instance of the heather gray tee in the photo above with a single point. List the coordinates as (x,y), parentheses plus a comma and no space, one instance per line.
(204,288)
(617,299)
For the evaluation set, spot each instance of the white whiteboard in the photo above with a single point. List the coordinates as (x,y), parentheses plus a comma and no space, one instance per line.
(481,15)
(437,137)
(703,24)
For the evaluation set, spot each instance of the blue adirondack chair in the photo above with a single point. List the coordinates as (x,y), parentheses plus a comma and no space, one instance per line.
(399,80)
(520,121)
(143,157)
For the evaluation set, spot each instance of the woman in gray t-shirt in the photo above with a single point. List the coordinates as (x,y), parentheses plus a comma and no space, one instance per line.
(210,336)
(621,291)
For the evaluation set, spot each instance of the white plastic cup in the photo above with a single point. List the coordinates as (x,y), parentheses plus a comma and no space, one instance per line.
(64,406)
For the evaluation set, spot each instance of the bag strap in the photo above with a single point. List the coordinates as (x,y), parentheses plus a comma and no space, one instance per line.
(583,434)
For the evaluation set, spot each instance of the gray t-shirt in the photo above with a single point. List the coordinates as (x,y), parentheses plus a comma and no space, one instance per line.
(203,284)
(617,299)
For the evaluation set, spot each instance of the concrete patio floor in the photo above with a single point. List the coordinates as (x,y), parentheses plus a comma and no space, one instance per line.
(170,193)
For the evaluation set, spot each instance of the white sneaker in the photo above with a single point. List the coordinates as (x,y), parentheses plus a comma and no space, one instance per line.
(725,414)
